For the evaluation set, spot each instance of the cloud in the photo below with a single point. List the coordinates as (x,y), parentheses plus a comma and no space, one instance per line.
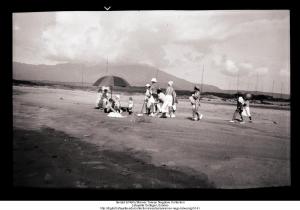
(230,67)
(178,42)
(285,72)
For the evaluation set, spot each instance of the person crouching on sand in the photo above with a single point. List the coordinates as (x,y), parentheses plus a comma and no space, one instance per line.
(195,102)
(162,103)
(110,106)
(239,108)
(130,106)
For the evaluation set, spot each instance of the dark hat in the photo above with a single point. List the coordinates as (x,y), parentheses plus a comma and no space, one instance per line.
(197,87)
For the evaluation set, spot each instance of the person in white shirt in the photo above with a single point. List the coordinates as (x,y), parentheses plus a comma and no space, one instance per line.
(246,110)
(117,105)
(162,103)
(170,99)
(154,97)
(147,100)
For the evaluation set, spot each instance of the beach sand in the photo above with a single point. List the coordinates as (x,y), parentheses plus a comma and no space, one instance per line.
(60,140)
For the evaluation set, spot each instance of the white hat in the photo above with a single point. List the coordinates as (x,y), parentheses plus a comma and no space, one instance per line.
(153,80)
(170,83)
(147,85)
(118,96)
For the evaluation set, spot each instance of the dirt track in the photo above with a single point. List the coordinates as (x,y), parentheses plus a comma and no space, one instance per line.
(144,152)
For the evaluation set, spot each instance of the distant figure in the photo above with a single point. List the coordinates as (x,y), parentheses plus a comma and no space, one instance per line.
(239,108)
(130,106)
(195,102)
(117,104)
(154,97)
(147,99)
(174,107)
(246,110)
(170,99)
(104,98)
(98,100)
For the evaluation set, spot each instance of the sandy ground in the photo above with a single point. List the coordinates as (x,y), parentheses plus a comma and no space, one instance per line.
(60,140)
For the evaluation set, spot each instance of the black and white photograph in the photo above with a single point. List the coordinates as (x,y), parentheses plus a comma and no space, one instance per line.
(157,99)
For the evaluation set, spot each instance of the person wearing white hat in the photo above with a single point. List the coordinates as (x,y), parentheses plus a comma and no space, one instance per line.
(153,80)
(154,97)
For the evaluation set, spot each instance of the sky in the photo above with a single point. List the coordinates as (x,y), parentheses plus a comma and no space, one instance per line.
(246,49)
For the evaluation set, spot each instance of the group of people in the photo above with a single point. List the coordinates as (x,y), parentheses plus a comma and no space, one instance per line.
(112,104)
(159,103)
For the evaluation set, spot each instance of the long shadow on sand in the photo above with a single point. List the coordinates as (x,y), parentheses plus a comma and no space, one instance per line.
(50,158)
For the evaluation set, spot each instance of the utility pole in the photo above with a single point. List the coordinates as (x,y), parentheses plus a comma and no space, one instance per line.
(82,78)
(202,79)
(281,91)
(273,89)
(237,82)
(256,85)
(107,65)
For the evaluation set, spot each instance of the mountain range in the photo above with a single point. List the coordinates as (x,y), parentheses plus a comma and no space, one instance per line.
(135,74)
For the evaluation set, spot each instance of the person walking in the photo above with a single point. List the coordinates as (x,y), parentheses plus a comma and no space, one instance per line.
(246,109)
(170,99)
(147,99)
(195,102)
(239,109)
(154,97)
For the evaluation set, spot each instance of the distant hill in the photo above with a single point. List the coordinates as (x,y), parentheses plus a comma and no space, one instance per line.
(136,75)
(274,95)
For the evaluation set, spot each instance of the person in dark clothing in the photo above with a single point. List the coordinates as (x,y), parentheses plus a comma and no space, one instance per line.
(239,109)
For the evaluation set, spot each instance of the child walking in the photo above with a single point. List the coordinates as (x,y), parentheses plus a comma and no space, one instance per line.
(130,106)
(195,102)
